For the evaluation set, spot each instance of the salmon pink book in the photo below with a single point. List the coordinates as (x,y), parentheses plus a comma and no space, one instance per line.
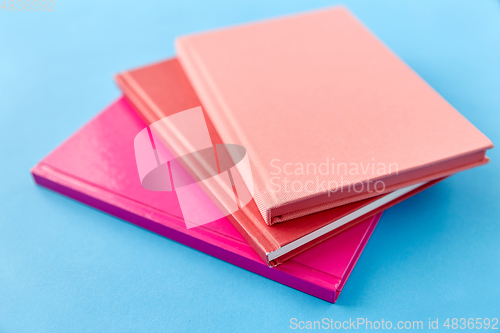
(163,90)
(328,114)
(97,166)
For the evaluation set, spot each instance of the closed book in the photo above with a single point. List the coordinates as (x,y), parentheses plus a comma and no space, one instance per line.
(97,166)
(162,90)
(326,111)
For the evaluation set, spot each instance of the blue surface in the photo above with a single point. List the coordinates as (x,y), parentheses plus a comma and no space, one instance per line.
(65,267)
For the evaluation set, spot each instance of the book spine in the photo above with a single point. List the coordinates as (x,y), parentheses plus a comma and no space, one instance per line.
(261,243)
(136,97)
(228,128)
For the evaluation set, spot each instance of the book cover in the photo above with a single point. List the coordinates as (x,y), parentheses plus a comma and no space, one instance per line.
(96,166)
(162,89)
(316,98)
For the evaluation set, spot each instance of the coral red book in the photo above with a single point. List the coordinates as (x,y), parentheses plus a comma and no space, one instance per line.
(162,90)
(325,110)
(97,166)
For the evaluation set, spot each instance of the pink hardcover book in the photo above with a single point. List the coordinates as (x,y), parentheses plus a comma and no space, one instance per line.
(162,91)
(328,114)
(97,166)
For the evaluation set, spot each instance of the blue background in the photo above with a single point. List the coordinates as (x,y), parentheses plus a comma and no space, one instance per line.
(67,267)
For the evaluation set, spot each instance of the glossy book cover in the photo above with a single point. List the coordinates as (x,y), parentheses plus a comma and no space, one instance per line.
(97,167)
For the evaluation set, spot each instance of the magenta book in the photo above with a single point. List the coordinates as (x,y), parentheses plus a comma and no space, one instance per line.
(97,166)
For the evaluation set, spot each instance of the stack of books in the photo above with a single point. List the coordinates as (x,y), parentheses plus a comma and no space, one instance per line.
(274,146)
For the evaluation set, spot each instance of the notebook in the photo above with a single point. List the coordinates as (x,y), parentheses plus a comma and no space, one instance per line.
(162,90)
(96,166)
(316,98)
